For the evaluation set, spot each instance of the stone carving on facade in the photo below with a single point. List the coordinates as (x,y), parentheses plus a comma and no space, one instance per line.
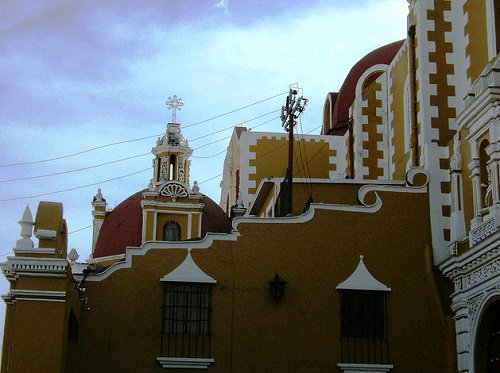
(483,231)
(453,248)
(174,190)
(458,284)
(488,196)
(456,159)
(181,170)
(473,306)
(163,169)
(483,273)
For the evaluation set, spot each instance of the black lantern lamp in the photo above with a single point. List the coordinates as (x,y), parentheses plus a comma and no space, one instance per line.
(277,286)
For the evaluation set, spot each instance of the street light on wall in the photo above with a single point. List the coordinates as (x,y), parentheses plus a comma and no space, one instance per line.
(277,286)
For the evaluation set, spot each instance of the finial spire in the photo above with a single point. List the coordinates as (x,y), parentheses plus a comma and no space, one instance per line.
(174,103)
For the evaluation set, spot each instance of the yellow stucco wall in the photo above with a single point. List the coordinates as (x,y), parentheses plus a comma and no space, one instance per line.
(313,257)
(312,159)
(475,29)
(399,74)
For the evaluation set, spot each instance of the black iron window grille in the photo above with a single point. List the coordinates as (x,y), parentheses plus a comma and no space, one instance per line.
(364,327)
(186,320)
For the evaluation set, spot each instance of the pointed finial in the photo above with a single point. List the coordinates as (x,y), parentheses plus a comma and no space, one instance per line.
(196,187)
(361,257)
(151,186)
(98,197)
(73,256)
(26,224)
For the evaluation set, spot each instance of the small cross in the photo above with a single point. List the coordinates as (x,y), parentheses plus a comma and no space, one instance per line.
(174,103)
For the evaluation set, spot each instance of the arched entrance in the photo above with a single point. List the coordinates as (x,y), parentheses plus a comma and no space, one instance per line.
(487,346)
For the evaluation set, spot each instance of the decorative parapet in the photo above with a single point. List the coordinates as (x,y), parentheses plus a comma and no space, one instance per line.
(482,232)
(41,266)
(476,271)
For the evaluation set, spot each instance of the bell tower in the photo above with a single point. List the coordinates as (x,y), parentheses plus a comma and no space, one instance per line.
(172,150)
(172,210)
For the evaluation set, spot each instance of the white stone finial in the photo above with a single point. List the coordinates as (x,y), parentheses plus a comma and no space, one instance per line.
(174,103)
(239,202)
(196,187)
(73,256)
(151,186)
(98,198)
(26,224)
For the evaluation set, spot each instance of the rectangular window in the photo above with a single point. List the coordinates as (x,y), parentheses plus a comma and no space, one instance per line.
(186,320)
(363,314)
(363,327)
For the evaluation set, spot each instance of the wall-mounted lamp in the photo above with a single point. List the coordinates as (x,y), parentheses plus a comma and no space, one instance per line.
(277,286)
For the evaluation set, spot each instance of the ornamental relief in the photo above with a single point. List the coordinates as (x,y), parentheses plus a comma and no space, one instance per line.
(163,169)
(480,233)
(181,163)
(482,274)
(473,305)
(174,190)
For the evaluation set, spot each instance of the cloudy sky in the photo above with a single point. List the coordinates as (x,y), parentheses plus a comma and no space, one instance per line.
(80,75)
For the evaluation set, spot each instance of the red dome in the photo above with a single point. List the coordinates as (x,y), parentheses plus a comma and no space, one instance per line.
(122,227)
(345,97)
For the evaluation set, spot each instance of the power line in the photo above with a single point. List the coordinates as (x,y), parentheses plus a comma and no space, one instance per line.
(232,126)
(136,139)
(140,155)
(80,229)
(235,110)
(75,188)
(75,170)
(149,168)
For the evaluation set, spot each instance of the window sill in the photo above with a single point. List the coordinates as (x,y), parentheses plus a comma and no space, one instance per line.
(364,368)
(184,362)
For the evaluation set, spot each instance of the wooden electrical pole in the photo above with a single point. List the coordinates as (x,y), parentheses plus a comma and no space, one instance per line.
(289,113)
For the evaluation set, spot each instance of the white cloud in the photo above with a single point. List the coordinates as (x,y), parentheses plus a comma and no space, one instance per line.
(221,4)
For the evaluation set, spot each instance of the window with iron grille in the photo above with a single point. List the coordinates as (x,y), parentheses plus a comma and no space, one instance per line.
(186,319)
(363,327)
(171,231)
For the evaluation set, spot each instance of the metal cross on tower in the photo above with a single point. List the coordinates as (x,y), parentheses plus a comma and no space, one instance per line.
(174,103)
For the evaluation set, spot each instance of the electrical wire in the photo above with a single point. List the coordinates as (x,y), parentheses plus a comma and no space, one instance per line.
(140,155)
(80,229)
(137,139)
(75,170)
(140,171)
(75,188)
(235,110)
(232,126)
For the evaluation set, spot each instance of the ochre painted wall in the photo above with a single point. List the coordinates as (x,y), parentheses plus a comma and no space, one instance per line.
(311,159)
(251,333)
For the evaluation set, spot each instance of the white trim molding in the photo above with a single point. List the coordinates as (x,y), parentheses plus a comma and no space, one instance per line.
(16,295)
(41,266)
(364,368)
(184,362)
(34,250)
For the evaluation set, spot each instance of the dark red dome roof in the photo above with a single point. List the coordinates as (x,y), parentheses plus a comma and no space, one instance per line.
(122,227)
(347,92)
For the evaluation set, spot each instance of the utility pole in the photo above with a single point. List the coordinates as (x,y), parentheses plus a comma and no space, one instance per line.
(289,113)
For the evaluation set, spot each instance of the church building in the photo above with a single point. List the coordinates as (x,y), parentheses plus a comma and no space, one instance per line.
(386,259)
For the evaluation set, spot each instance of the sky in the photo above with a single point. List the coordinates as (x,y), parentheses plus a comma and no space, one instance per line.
(81,75)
